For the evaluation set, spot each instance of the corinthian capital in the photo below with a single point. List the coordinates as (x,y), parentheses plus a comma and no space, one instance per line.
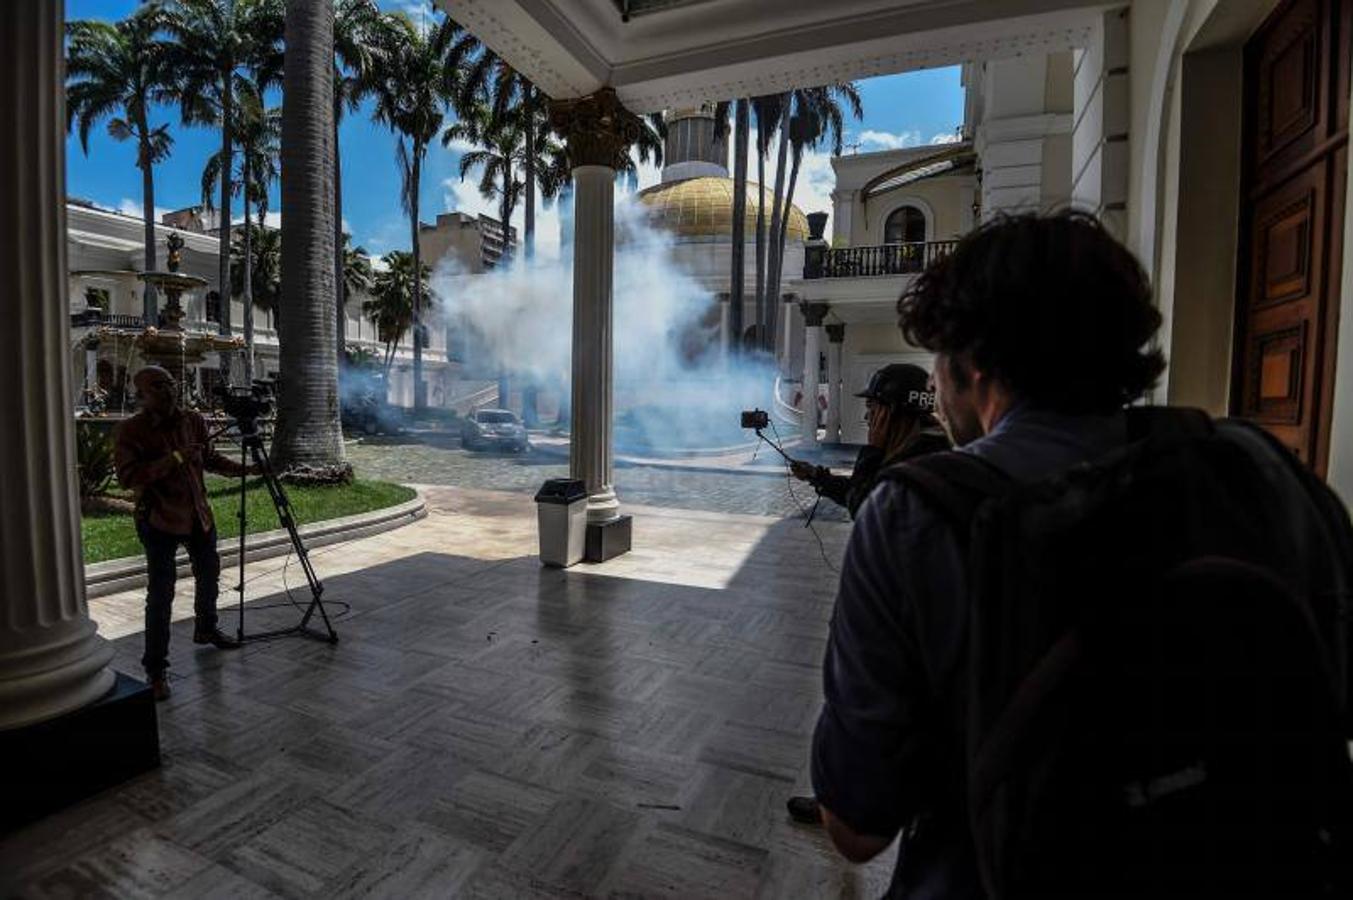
(597,129)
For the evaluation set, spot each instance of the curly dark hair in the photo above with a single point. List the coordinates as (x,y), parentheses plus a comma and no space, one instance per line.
(1051,305)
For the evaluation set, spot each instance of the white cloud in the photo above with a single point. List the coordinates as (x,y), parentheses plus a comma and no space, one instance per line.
(461,145)
(129,207)
(947,137)
(886,140)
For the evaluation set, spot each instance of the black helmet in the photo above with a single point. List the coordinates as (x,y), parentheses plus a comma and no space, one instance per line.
(901,386)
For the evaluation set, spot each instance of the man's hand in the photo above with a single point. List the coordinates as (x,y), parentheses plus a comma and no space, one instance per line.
(801,470)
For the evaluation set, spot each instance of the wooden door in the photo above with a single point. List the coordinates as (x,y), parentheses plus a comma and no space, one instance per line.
(1294,172)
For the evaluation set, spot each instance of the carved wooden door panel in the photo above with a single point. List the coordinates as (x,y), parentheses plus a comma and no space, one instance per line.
(1296,127)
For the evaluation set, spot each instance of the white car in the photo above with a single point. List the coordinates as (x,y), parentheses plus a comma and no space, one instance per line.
(493,428)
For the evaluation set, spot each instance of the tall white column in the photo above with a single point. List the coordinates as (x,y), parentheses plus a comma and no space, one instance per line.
(590,455)
(598,133)
(813,314)
(51,660)
(836,336)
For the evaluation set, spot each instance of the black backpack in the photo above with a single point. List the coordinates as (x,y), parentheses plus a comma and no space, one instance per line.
(1156,699)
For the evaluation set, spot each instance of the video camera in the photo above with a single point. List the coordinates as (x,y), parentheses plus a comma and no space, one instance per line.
(756,419)
(246,405)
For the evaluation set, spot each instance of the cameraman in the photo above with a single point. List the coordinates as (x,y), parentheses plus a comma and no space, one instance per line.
(162,452)
(899,407)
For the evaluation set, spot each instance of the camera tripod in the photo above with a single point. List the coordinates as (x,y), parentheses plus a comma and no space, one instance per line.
(251,444)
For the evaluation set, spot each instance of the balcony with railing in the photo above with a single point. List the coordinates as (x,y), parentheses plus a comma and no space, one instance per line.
(880,259)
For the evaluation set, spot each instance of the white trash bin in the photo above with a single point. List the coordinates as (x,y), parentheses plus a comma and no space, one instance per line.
(561,512)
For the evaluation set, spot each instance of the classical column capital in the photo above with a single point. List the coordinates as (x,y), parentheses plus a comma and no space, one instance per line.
(597,129)
(814,313)
(836,332)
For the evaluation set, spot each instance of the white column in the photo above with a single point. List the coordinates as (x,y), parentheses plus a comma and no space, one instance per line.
(593,259)
(836,335)
(51,660)
(812,351)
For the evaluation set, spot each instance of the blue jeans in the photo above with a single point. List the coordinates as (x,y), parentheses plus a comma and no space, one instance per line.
(161,547)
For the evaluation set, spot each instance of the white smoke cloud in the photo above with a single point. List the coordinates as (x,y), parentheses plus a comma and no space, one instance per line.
(947,137)
(672,386)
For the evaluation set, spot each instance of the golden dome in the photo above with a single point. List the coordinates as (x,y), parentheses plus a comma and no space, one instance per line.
(704,207)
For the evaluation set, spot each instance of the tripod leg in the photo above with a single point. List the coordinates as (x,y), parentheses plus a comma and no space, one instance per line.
(288,520)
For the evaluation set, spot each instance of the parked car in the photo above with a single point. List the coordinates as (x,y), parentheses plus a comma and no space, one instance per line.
(364,408)
(493,429)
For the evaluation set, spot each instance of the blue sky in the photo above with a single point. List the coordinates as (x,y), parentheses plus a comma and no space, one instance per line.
(900,110)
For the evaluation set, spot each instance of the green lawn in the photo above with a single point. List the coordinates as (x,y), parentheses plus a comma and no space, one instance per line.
(111,536)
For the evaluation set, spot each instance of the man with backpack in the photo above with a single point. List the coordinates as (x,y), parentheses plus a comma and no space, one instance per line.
(1099,650)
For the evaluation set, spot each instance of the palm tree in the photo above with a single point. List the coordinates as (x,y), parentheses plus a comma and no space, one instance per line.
(768,110)
(117,72)
(356,26)
(391,305)
(265,266)
(358,275)
(501,94)
(419,72)
(214,43)
(737,276)
(258,130)
(308,428)
(818,114)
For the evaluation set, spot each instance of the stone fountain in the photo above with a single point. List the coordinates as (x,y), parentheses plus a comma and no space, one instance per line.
(169,344)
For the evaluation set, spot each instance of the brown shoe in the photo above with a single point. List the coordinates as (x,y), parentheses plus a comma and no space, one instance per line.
(159,688)
(216,638)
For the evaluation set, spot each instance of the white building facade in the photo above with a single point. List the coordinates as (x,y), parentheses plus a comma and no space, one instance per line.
(106,253)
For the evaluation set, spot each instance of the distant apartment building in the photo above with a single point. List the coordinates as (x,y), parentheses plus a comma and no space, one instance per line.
(475,243)
(470,245)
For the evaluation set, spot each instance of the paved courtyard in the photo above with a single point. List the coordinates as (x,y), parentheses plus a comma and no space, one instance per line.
(485,727)
(433,458)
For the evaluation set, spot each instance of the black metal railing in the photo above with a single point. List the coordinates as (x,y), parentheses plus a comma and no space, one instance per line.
(122,320)
(881,259)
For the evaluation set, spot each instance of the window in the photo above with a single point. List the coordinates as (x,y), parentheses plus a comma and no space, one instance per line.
(97,297)
(212,306)
(906,225)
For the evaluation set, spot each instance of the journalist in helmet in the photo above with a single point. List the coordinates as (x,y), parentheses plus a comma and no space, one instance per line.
(899,410)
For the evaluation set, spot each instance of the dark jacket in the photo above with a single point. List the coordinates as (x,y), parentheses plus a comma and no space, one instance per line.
(171,494)
(851,490)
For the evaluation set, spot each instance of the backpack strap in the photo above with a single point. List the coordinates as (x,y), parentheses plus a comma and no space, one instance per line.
(955,483)
(1171,423)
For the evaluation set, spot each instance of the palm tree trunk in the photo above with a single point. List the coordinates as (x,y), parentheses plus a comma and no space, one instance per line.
(341,307)
(149,300)
(248,285)
(420,397)
(760,232)
(227,170)
(772,264)
(778,270)
(737,277)
(308,429)
(529,225)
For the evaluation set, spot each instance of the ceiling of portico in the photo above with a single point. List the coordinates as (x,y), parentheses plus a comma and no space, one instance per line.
(672,54)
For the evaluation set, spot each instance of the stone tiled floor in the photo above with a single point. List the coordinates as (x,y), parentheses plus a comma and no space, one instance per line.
(485,727)
(430,458)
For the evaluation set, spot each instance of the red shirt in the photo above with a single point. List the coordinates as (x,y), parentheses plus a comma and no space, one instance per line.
(171,493)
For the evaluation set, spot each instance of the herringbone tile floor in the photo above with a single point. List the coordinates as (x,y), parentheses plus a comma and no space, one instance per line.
(485,727)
